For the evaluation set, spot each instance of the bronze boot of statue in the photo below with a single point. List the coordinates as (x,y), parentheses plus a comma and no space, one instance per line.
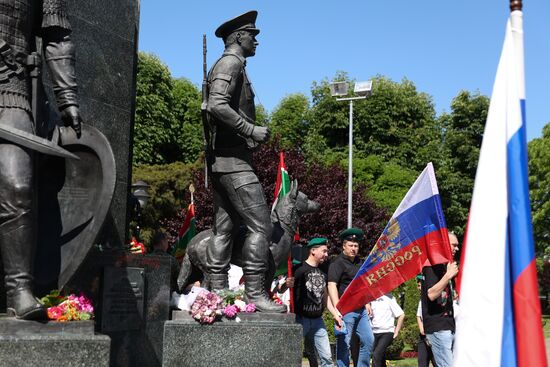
(255,293)
(217,282)
(22,304)
(17,247)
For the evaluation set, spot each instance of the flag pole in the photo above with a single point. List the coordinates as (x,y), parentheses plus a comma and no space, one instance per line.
(192,191)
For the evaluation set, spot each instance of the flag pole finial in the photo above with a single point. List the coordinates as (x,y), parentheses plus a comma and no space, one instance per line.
(192,190)
(515,5)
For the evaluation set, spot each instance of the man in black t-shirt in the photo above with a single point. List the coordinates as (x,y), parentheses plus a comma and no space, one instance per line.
(341,272)
(310,297)
(437,307)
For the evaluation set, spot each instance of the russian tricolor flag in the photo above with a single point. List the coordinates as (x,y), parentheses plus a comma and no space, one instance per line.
(415,236)
(500,320)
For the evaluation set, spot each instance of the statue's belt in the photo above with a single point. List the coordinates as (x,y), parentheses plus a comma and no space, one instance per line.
(15,61)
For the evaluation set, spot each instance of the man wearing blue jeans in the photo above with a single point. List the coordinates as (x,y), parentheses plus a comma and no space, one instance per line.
(437,307)
(340,274)
(309,286)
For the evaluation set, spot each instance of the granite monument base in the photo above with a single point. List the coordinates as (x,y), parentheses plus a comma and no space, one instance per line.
(31,343)
(258,340)
(135,303)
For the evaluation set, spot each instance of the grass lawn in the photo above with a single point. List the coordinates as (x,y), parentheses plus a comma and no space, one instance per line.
(408,362)
(546,325)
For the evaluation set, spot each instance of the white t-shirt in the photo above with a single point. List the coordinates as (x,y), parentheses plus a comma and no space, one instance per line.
(384,311)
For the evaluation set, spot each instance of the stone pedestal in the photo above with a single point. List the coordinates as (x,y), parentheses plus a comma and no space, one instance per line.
(135,303)
(31,343)
(258,340)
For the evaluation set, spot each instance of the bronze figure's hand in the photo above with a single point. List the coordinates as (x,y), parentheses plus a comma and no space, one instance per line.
(260,134)
(71,117)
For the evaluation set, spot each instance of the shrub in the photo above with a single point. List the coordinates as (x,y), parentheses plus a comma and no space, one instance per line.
(395,348)
(409,333)
(327,185)
(329,324)
(169,193)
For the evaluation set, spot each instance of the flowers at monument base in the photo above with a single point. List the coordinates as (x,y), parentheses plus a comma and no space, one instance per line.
(68,308)
(230,311)
(250,307)
(136,247)
(235,299)
(277,300)
(209,306)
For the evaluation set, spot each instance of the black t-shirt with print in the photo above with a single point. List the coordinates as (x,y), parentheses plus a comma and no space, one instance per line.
(309,290)
(437,315)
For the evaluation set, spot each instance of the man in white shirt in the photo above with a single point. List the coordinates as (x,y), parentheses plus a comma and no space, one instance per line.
(384,312)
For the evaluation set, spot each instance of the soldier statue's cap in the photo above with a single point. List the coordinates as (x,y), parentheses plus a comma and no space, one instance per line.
(243,22)
(317,241)
(352,234)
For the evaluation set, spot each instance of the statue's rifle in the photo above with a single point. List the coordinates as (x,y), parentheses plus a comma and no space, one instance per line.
(204,113)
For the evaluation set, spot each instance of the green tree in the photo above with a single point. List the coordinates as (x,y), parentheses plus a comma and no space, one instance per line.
(393,123)
(289,120)
(262,116)
(457,162)
(168,126)
(539,189)
(168,190)
(188,143)
(154,115)
(388,182)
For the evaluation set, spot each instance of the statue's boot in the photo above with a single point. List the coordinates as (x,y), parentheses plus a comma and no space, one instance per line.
(22,304)
(217,282)
(17,249)
(255,293)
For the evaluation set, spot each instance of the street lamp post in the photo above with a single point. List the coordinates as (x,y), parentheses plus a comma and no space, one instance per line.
(140,196)
(363,89)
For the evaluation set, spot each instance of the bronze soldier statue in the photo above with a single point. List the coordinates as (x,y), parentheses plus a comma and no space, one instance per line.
(23,24)
(238,195)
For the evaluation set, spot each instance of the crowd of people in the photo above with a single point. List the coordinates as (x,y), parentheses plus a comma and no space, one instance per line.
(318,285)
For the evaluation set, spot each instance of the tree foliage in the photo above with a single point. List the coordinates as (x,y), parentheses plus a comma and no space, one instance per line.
(393,123)
(539,185)
(388,182)
(457,163)
(167,122)
(396,133)
(289,121)
(323,184)
(168,190)
(188,142)
(153,110)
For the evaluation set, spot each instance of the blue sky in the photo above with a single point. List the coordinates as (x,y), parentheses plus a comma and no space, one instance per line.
(442,46)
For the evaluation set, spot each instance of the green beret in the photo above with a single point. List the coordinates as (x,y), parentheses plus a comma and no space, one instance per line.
(420,277)
(317,241)
(243,22)
(296,262)
(351,234)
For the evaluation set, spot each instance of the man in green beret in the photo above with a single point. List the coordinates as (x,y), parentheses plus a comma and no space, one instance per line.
(238,195)
(341,272)
(310,296)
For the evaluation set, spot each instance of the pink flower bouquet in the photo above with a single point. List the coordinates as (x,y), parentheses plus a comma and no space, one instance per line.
(207,307)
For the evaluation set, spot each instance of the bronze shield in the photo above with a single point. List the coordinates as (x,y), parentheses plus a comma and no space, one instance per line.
(74,197)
